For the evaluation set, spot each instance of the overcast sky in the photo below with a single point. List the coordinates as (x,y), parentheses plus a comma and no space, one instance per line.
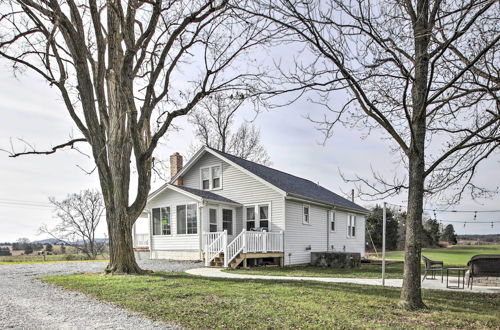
(31,110)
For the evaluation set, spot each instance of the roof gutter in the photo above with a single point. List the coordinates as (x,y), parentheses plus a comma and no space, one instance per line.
(313,201)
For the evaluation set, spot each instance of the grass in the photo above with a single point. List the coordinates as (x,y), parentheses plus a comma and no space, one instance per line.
(196,302)
(365,271)
(456,256)
(34,259)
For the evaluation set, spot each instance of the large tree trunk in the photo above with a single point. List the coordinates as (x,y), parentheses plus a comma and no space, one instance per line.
(411,296)
(121,252)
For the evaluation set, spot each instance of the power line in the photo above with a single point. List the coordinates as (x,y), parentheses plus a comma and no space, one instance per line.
(451,211)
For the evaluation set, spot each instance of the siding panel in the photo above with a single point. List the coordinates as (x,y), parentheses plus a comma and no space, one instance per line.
(240,187)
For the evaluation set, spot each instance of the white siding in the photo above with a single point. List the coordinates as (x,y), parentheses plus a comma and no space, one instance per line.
(240,187)
(338,239)
(169,198)
(299,236)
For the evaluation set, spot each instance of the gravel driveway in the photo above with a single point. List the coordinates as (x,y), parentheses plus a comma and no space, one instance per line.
(27,303)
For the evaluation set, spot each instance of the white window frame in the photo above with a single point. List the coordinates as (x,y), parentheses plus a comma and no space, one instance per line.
(351,218)
(177,220)
(257,214)
(210,182)
(332,218)
(153,221)
(308,214)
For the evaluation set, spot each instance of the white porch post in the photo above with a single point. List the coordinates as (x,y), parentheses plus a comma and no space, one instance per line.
(206,251)
(264,243)
(224,245)
(244,240)
(282,247)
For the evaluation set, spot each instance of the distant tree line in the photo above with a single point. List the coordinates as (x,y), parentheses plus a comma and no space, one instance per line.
(431,235)
(5,251)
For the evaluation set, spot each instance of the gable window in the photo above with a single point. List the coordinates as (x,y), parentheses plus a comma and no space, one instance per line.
(212,214)
(351,225)
(205,178)
(211,177)
(215,177)
(332,220)
(161,221)
(187,223)
(227,220)
(306,218)
(250,216)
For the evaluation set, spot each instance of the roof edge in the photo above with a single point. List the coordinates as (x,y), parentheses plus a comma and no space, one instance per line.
(336,206)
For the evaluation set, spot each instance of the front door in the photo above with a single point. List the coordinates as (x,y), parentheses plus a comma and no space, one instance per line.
(228,222)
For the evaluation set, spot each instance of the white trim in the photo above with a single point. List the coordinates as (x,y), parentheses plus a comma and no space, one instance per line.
(308,214)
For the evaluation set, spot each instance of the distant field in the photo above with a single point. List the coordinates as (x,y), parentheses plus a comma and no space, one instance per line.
(29,259)
(456,255)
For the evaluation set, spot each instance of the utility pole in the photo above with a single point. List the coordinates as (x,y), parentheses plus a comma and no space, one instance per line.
(383,244)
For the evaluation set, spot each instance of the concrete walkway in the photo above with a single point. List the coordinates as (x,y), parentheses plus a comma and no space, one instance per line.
(396,283)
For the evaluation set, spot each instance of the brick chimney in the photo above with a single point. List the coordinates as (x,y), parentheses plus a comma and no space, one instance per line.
(176,166)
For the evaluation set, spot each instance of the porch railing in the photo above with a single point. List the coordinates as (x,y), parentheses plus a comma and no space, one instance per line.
(141,240)
(215,243)
(234,248)
(245,242)
(263,242)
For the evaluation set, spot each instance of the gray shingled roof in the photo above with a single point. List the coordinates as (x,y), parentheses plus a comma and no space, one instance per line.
(293,185)
(206,194)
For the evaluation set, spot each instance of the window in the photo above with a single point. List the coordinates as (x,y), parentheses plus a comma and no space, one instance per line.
(306,220)
(351,225)
(250,216)
(212,220)
(211,177)
(258,216)
(205,178)
(227,221)
(264,216)
(161,221)
(332,220)
(187,222)
(215,177)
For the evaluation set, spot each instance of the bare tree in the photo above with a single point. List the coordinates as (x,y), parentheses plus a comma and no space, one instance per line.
(214,127)
(79,215)
(125,71)
(424,72)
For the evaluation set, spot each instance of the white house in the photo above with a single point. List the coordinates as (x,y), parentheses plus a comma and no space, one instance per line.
(227,210)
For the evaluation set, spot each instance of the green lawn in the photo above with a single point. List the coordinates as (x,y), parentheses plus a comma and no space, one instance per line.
(365,271)
(456,256)
(33,259)
(197,302)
